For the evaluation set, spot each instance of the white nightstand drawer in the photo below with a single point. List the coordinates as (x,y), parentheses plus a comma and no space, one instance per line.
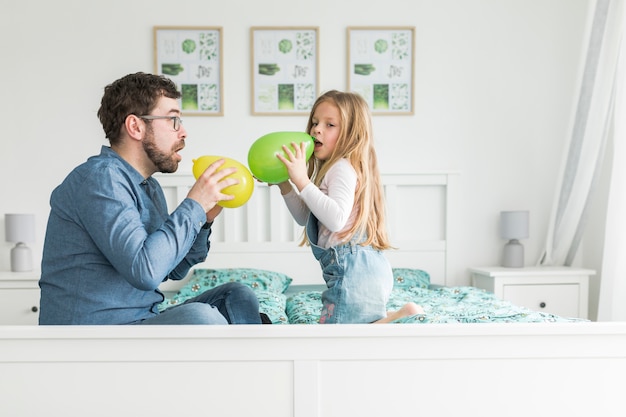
(19,306)
(559,299)
(563,291)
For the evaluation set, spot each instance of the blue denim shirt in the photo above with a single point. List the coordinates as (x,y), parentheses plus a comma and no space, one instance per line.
(110,242)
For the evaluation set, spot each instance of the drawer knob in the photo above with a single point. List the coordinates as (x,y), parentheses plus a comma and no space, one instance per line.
(542,304)
(34,309)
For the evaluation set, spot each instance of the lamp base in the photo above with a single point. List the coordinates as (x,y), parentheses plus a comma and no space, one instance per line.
(513,254)
(21,258)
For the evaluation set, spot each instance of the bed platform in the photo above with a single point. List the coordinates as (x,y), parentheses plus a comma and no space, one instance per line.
(508,370)
(446,364)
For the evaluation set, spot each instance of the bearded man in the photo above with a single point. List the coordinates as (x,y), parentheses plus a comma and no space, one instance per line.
(110,241)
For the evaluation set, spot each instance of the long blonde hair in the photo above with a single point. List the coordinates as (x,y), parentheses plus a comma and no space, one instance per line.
(355,143)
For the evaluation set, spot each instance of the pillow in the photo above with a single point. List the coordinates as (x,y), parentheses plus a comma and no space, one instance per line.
(273,304)
(304,307)
(404,278)
(202,280)
(257,279)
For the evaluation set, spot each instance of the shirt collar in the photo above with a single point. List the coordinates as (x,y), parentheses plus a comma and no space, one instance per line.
(135,176)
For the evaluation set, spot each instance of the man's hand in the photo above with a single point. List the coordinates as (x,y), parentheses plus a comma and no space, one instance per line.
(207,190)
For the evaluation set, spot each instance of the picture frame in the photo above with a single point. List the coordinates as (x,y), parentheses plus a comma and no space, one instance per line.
(192,58)
(381,67)
(284,69)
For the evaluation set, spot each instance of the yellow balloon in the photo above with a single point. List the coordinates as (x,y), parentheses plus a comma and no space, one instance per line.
(241,191)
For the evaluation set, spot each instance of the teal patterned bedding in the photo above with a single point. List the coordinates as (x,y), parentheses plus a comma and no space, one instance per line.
(285,305)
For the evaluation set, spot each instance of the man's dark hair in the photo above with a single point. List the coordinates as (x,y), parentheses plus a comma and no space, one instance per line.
(133,94)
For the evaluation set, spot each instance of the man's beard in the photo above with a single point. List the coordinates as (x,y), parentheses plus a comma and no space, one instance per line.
(164,162)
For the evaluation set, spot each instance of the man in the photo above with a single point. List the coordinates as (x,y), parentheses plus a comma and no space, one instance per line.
(110,241)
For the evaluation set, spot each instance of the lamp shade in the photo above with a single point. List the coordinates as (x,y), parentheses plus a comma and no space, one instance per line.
(19,228)
(514,224)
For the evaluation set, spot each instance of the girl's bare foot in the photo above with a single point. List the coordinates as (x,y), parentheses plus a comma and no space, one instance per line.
(409,309)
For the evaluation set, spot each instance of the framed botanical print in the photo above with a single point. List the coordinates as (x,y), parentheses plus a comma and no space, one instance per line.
(192,58)
(284,69)
(380,67)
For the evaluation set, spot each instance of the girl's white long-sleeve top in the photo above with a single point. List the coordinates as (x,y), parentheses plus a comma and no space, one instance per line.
(332,203)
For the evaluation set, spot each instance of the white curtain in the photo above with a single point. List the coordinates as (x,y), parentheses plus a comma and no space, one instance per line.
(612,300)
(590,131)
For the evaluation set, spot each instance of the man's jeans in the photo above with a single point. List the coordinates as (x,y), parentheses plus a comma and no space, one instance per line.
(231,303)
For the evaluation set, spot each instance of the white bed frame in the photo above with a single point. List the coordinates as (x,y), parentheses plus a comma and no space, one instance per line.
(560,369)
(314,370)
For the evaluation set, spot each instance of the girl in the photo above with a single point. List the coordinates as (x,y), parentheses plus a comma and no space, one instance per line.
(340,200)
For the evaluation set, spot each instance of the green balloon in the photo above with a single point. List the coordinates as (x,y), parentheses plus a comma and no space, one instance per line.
(262,159)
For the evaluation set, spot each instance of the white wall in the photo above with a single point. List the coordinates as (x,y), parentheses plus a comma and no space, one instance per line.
(495,84)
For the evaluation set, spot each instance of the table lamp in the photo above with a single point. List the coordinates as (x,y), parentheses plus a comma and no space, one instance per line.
(513,226)
(20,229)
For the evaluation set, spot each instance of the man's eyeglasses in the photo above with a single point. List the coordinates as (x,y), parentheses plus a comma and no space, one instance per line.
(175,119)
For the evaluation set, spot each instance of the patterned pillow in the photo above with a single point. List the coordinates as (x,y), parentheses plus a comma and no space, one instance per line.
(273,304)
(304,307)
(257,279)
(410,278)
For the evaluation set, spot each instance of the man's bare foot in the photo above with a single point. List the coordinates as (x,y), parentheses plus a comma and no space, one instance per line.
(409,309)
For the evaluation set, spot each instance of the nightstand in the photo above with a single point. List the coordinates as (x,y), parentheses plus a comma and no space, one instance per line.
(19,298)
(563,291)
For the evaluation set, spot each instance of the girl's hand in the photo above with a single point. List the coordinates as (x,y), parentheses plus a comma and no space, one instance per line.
(296,165)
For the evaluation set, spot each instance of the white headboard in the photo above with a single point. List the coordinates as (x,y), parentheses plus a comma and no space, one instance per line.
(262,234)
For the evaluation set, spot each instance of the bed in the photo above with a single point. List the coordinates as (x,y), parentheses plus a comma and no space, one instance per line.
(516,362)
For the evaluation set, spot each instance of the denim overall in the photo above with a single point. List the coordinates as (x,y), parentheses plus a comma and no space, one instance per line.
(358,279)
